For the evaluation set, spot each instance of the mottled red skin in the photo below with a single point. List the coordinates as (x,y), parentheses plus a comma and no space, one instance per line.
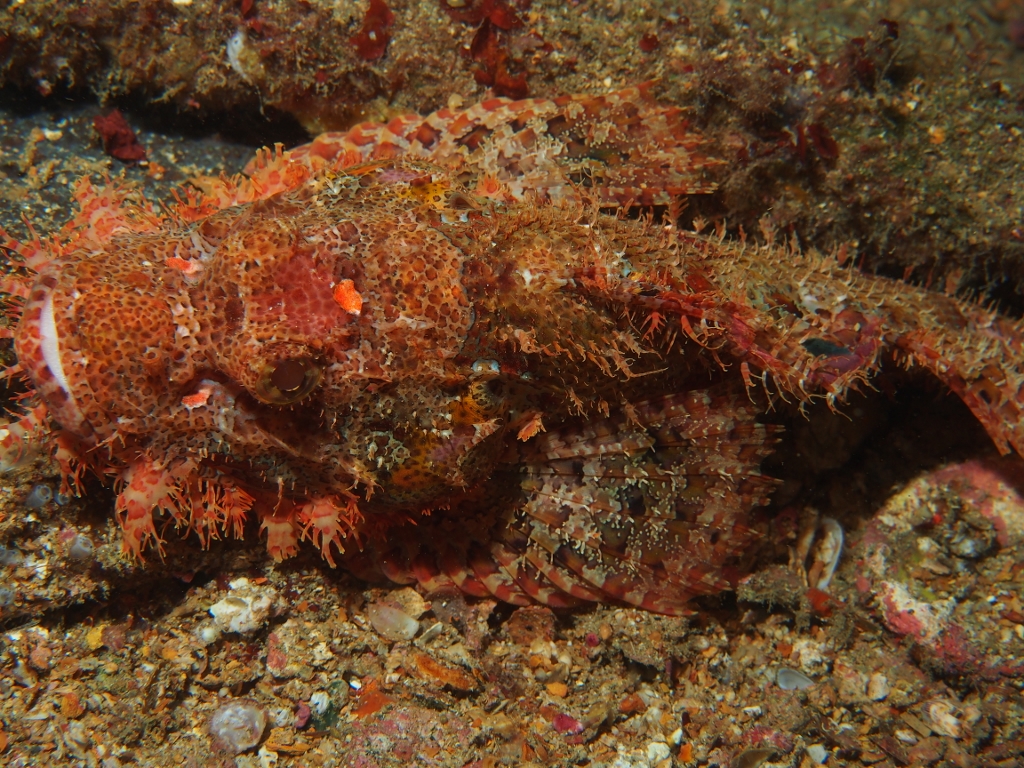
(423,347)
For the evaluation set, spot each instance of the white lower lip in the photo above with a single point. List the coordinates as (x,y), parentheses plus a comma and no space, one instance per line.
(49,343)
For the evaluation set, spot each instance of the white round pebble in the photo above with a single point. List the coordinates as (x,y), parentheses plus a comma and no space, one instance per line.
(207,633)
(817,753)
(878,687)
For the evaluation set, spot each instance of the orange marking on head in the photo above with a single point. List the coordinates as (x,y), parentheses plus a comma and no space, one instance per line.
(197,399)
(348,297)
(188,266)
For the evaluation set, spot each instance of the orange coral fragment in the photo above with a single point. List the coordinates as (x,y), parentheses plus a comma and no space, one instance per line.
(371,700)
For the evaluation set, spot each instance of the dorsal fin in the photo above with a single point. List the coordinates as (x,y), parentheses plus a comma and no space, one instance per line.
(618,148)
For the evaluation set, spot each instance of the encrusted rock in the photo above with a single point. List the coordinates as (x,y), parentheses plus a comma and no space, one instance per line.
(246,609)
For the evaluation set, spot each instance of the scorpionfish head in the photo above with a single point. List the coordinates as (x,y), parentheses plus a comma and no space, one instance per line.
(313,339)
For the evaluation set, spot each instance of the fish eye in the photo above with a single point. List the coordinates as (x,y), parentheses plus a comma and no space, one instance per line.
(486,366)
(288,381)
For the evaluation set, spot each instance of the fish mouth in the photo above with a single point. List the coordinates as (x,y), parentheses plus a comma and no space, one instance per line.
(37,345)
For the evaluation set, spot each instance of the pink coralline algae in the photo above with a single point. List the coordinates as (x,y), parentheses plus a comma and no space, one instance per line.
(564,723)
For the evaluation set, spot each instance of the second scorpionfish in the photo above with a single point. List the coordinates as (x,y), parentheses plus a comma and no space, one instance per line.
(427,348)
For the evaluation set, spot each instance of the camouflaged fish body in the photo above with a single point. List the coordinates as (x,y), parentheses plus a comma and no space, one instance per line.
(425,348)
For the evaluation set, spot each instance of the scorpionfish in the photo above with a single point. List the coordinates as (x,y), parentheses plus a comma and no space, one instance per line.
(437,350)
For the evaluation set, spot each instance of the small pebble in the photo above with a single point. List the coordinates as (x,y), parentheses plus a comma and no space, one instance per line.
(81,548)
(658,751)
(564,723)
(430,633)
(409,600)
(302,715)
(906,736)
(237,726)
(10,556)
(207,633)
(558,690)
(878,687)
(319,702)
(283,717)
(39,497)
(790,680)
(24,675)
(942,719)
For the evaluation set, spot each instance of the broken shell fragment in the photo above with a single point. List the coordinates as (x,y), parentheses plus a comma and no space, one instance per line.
(942,718)
(392,623)
(790,680)
(828,546)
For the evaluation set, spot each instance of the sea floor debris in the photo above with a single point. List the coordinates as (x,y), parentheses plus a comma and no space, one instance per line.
(917,663)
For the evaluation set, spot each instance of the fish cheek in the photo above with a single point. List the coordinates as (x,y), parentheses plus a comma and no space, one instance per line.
(128,342)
